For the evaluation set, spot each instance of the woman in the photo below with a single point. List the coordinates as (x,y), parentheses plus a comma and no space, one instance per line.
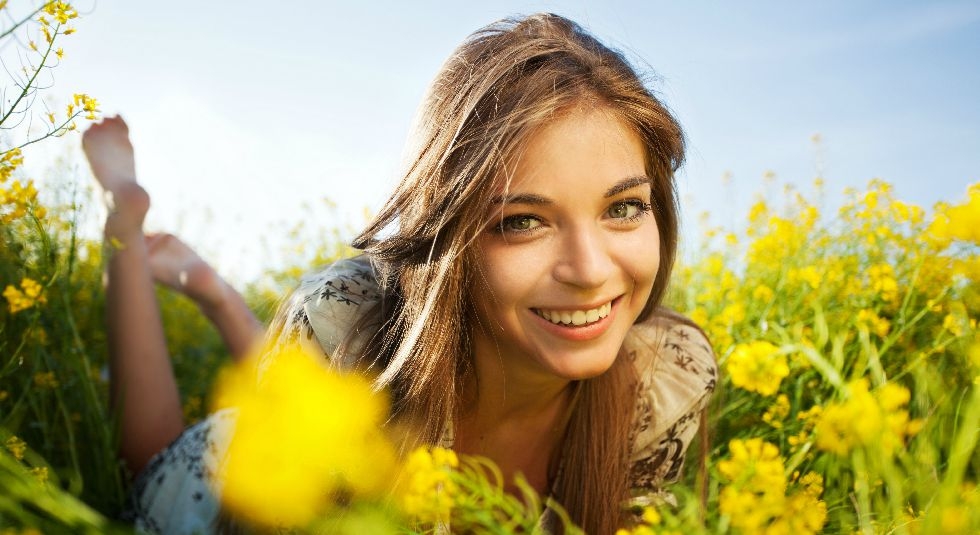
(509,292)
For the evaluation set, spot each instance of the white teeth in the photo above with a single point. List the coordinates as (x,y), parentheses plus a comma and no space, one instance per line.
(576,317)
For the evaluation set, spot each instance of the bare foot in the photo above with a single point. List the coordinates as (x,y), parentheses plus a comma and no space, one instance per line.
(110,153)
(176,265)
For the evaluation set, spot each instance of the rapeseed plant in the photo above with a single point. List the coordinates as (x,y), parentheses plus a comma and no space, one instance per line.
(757,367)
(28,295)
(866,419)
(428,492)
(304,438)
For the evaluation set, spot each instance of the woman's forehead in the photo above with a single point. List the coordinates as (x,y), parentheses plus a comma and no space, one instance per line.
(579,148)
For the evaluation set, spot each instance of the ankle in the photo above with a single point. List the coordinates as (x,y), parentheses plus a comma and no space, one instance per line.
(215,302)
(120,236)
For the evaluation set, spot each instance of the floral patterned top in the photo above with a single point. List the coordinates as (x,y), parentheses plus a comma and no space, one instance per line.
(176,492)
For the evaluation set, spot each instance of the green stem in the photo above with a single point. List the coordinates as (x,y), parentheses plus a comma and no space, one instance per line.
(22,21)
(820,363)
(57,131)
(30,83)
(897,335)
(863,495)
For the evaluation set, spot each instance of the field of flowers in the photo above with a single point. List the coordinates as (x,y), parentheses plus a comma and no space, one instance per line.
(849,399)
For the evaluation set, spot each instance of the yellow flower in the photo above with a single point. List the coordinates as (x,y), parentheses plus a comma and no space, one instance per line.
(974,354)
(9,161)
(812,484)
(651,516)
(45,380)
(882,278)
(426,489)
(31,288)
(757,367)
(16,447)
(61,11)
(809,275)
(303,436)
(802,514)
(18,198)
(865,419)
(904,212)
(959,222)
(21,300)
(953,324)
(755,497)
(777,412)
(41,473)
(762,293)
(758,212)
(88,104)
(756,484)
(878,325)
(755,465)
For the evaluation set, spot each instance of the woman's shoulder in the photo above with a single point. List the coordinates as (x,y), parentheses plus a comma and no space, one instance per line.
(677,372)
(326,305)
(672,356)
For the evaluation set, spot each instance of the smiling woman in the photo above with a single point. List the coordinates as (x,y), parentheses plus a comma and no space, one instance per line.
(569,263)
(509,292)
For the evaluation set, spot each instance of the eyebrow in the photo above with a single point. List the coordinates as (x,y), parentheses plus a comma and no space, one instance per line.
(625,184)
(628,183)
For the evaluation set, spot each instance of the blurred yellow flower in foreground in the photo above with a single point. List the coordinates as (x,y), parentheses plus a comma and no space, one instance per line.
(305,438)
(757,367)
(427,491)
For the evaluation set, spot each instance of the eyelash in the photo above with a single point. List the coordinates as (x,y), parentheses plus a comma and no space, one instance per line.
(643,208)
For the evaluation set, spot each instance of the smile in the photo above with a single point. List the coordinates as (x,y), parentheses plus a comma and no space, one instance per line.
(575,317)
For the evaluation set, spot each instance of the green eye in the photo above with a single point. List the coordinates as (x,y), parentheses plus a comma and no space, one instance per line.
(519,223)
(623,210)
(628,210)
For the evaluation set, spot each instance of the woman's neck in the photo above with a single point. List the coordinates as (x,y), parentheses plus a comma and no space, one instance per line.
(498,392)
(514,417)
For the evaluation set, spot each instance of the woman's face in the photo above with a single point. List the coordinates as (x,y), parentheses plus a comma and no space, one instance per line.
(571,253)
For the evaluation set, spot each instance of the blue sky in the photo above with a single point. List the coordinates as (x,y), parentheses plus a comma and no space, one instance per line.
(242,111)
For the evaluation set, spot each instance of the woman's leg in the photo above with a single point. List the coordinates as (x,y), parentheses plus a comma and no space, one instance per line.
(142,385)
(176,265)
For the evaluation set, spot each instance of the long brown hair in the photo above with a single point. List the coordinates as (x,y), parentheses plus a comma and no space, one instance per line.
(507,80)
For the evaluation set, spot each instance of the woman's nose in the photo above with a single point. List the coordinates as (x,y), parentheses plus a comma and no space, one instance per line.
(583,259)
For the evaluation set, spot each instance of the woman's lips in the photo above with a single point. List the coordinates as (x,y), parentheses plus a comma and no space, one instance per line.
(576,317)
(578,325)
